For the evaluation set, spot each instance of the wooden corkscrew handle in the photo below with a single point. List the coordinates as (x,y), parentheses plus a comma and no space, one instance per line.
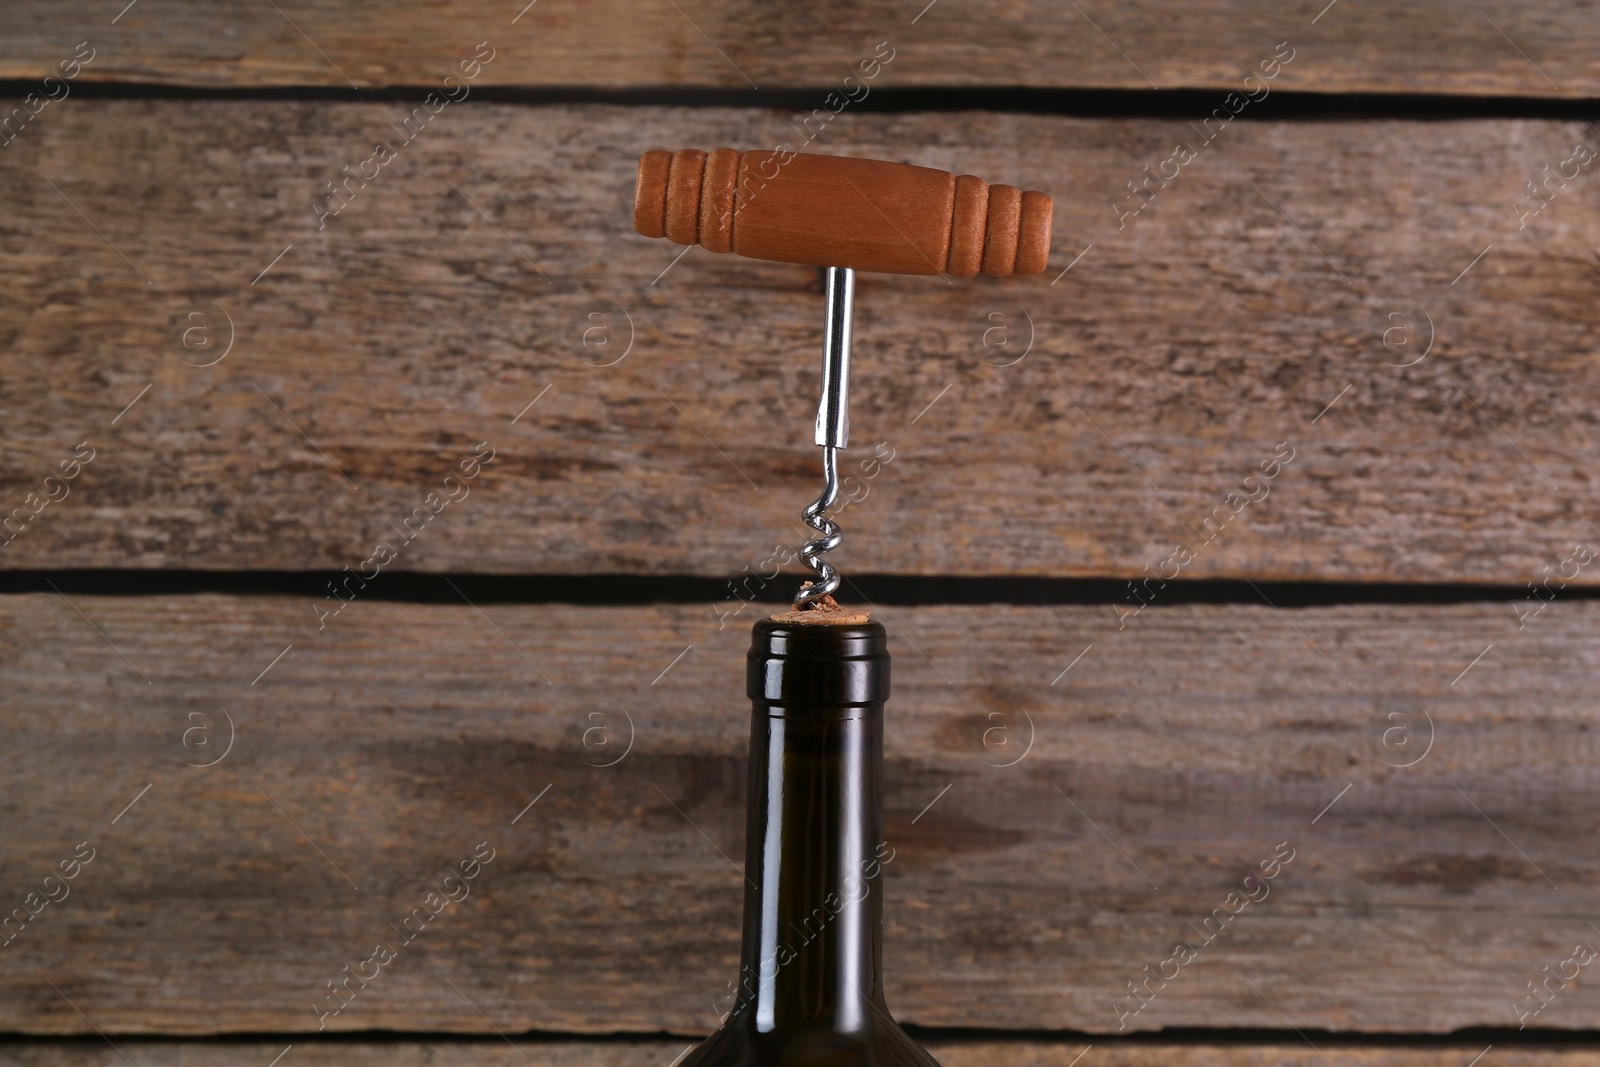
(841,211)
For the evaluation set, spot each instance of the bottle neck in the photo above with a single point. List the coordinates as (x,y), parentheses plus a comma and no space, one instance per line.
(813,946)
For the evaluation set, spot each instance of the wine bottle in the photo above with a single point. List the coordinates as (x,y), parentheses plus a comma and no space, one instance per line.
(810,989)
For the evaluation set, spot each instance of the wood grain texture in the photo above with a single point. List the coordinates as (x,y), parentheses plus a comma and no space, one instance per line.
(369,758)
(493,258)
(308,1052)
(870,215)
(1541,48)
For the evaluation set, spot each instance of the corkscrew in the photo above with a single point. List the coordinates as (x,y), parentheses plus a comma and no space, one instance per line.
(843,214)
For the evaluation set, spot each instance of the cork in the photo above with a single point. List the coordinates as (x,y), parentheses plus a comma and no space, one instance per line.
(841,617)
(824,611)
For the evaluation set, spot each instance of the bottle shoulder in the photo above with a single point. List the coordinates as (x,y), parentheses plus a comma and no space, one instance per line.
(739,1045)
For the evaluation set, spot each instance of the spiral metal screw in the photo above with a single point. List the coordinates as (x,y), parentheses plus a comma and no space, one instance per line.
(833,433)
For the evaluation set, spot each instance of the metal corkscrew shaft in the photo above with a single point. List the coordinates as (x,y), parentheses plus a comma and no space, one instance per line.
(833,433)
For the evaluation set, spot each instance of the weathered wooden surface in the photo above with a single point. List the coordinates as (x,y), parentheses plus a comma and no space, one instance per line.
(307,1052)
(1541,48)
(396,740)
(1172,360)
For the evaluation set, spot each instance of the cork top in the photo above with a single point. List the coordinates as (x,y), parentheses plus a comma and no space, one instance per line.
(837,617)
(824,611)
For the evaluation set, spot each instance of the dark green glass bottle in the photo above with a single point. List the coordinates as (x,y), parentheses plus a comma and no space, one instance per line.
(810,991)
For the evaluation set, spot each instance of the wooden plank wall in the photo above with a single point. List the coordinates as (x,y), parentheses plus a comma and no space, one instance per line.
(206,369)
(1542,48)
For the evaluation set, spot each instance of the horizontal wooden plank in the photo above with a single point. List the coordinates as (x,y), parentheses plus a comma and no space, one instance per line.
(450,302)
(309,1052)
(1066,801)
(1538,48)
